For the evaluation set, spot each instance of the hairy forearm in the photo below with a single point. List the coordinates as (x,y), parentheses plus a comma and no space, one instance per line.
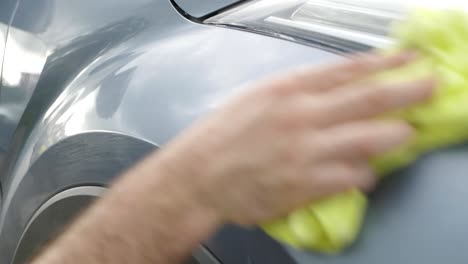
(147,217)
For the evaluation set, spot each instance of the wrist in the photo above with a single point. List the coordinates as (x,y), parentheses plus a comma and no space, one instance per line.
(185,179)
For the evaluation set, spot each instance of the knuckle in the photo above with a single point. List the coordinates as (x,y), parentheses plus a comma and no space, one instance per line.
(347,171)
(376,99)
(311,110)
(298,151)
(366,171)
(290,184)
(288,128)
(275,91)
(295,115)
(286,86)
(291,154)
(365,147)
(363,64)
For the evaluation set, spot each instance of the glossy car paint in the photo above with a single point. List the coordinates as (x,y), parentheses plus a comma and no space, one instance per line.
(7,8)
(120,78)
(132,70)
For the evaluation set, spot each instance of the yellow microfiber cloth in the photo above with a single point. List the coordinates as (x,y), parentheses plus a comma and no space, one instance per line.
(441,38)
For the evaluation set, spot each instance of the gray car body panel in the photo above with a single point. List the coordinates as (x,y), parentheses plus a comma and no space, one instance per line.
(131,68)
(121,78)
(7,8)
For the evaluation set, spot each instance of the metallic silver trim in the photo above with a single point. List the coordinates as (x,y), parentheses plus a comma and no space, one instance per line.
(94,191)
(345,34)
(202,255)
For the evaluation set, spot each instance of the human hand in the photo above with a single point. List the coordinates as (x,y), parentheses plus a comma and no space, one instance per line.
(295,138)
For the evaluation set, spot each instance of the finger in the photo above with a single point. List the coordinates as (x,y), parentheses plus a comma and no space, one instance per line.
(361,140)
(359,67)
(356,104)
(336,177)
